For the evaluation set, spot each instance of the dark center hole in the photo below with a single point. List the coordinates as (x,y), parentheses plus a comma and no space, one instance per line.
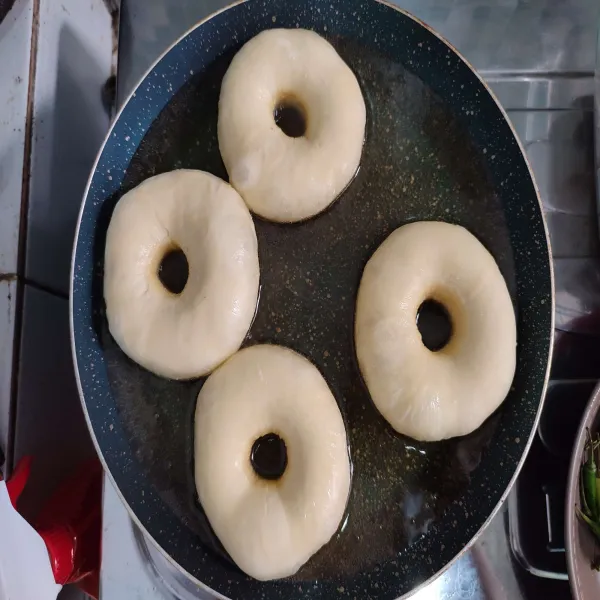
(174,271)
(434,324)
(290,118)
(269,456)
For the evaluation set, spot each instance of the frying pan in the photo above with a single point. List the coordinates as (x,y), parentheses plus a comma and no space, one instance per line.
(438,146)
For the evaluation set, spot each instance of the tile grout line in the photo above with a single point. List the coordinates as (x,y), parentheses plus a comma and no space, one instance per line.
(41,287)
(22,244)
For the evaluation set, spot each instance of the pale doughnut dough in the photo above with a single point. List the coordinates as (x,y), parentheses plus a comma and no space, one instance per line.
(435,395)
(270,528)
(185,335)
(283,178)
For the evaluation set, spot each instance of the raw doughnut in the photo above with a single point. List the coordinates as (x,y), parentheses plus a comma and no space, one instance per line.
(270,528)
(435,395)
(188,334)
(284,178)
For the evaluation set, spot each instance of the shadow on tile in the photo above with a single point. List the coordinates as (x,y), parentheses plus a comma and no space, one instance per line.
(50,424)
(68,136)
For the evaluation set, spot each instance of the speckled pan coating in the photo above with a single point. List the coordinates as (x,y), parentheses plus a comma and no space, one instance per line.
(437,147)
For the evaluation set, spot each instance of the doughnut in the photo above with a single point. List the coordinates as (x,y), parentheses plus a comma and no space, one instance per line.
(187,334)
(438,393)
(290,176)
(270,522)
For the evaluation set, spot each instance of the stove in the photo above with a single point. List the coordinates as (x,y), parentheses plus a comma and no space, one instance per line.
(539,58)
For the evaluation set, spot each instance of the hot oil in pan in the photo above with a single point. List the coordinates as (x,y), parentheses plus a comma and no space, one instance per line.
(417,164)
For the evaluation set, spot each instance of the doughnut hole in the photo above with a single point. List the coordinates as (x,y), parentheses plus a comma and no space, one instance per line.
(173,270)
(290,116)
(434,324)
(268,456)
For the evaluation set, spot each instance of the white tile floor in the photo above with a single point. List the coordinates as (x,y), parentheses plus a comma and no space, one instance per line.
(72,62)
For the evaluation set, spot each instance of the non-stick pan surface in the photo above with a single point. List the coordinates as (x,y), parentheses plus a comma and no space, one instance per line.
(437,147)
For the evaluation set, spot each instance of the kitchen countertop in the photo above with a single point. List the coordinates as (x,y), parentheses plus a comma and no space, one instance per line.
(56,57)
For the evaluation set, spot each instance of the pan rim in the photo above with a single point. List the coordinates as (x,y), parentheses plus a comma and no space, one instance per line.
(536,419)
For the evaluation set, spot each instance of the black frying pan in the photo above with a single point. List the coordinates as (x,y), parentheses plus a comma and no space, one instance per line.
(437,146)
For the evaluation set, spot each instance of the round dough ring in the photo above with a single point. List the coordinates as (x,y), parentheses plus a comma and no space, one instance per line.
(283,178)
(181,336)
(270,528)
(435,395)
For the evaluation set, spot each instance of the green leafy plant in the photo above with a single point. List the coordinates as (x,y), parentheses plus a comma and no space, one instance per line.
(589,488)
